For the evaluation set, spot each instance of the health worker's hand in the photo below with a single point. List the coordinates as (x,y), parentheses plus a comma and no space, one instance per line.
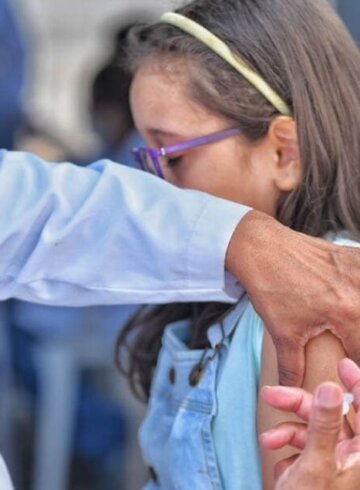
(300,286)
(330,458)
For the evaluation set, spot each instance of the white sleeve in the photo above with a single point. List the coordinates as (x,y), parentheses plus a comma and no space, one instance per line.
(5,482)
(107,234)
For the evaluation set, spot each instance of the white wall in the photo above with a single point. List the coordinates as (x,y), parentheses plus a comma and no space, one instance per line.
(69,44)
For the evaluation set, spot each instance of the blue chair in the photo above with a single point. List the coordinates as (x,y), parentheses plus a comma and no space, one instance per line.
(6,388)
(69,340)
(350,12)
(12,59)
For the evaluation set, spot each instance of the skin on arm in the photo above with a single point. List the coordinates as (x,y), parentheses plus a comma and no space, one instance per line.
(322,356)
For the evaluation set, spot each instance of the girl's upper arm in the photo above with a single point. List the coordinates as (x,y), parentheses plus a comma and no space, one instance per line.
(322,356)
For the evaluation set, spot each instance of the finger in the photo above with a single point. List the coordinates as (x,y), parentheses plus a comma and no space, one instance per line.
(293,434)
(295,400)
(346,450)
(353,445)
(287,434)
(283,465)
(325,422)
(352,464)
(350,376)
(291,362)
(351,342)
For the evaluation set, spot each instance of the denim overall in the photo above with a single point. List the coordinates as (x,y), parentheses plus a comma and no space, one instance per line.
(175,437)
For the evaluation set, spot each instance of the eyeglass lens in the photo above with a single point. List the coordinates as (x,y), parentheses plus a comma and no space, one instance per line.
(148,162)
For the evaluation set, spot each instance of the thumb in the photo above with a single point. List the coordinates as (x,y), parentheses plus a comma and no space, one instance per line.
(325,422)
(291,362)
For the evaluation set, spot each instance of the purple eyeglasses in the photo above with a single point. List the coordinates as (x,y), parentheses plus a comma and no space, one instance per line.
(152,160)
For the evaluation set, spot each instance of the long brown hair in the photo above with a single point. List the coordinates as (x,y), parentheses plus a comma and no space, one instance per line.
(302,49)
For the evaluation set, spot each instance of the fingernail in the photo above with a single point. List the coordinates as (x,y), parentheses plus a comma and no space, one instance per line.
(276,389)
(268,433)
(265,389)
(329,396)
(266,437)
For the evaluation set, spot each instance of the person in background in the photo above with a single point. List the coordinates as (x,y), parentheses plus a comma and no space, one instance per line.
(109,108)
(12,76)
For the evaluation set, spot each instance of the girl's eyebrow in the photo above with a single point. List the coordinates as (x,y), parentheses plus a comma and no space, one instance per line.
(162,132)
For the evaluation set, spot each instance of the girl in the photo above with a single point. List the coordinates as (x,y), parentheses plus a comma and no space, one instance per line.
(258,102)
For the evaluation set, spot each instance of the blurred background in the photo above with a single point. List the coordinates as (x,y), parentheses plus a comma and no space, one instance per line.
(67,418)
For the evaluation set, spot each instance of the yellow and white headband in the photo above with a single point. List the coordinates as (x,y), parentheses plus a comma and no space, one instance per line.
(221,49)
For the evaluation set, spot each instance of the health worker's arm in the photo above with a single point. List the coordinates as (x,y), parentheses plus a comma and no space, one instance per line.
(108,234)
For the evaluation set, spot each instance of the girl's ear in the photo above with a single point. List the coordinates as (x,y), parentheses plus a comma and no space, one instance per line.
(287,169)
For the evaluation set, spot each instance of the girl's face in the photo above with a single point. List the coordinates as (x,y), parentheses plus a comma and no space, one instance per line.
(233,169)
